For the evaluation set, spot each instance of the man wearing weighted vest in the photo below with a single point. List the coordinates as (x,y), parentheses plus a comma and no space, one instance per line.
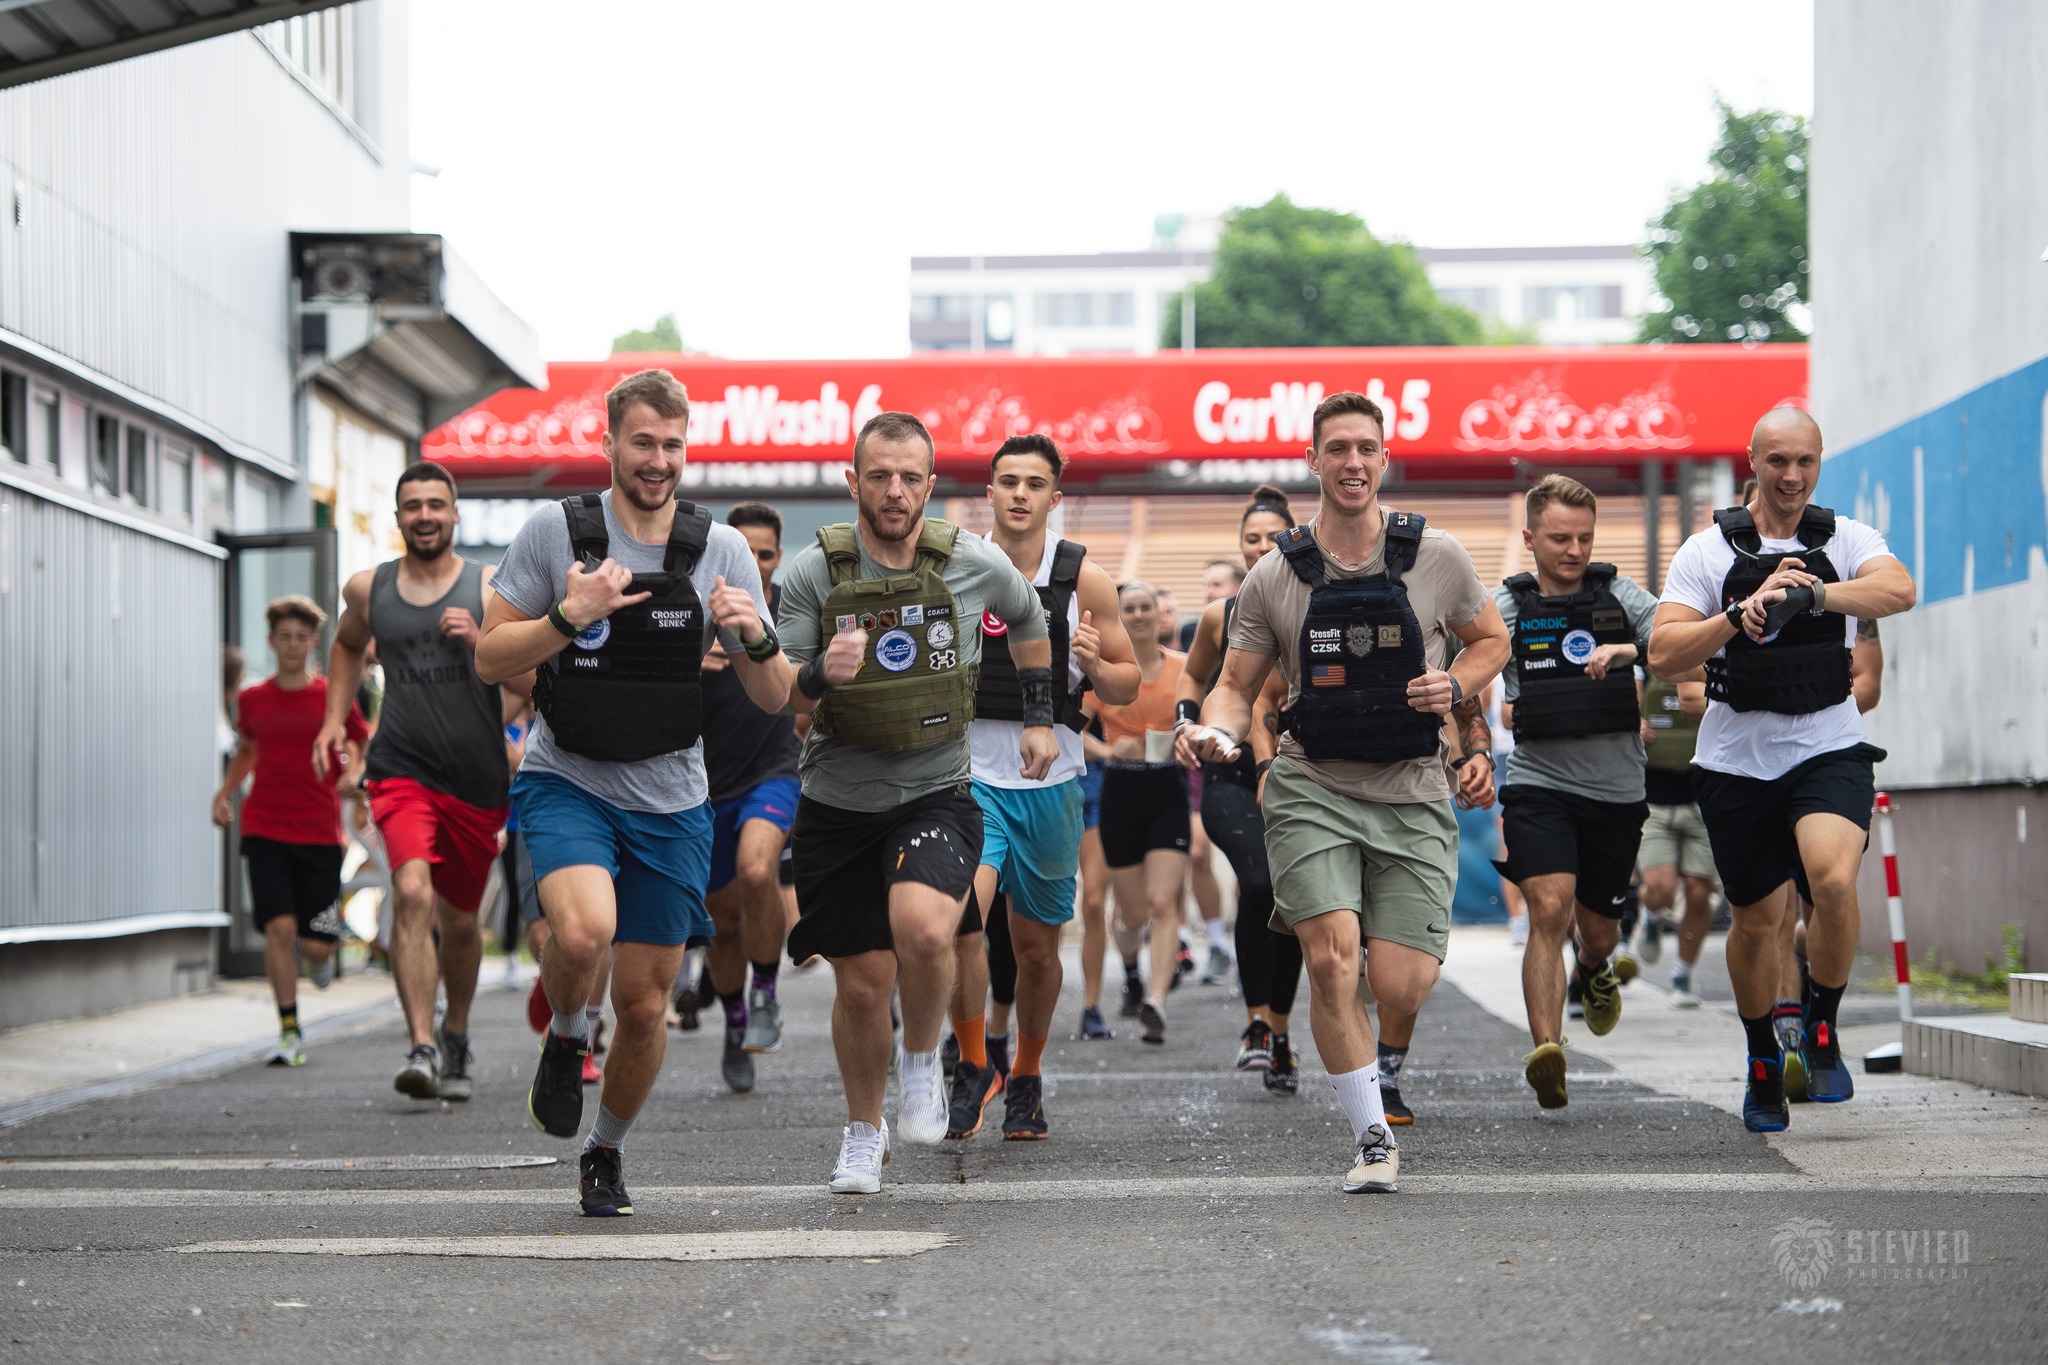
(1768,599)
(884,620)
(1572,806)
(613,598)
(1356,608)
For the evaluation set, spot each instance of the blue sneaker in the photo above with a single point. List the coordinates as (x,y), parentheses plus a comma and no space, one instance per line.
(1763,1103)
(1093,1025)
(1828,1080)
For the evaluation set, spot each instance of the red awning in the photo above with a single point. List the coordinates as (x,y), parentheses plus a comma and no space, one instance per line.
(1484,407)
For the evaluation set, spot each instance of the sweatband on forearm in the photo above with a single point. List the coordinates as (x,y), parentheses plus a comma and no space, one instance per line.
(1187,713)
(1036,684)
(811,680)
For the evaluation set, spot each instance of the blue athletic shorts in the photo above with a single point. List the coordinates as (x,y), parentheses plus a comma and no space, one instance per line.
(773,801)
(1032,837)
(658,863)
(1091,796)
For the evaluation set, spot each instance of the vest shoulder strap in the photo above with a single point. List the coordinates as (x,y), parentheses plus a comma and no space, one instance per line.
(1066,564)
(1304,556)
(587,535)
(687,537)
(937,540)
(1738,528)
(1816,526)
(1600,577)
(1522,585)
(1404,542)
(842,551)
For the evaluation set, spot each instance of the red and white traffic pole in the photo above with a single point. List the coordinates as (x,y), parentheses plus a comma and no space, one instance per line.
(1889,1057)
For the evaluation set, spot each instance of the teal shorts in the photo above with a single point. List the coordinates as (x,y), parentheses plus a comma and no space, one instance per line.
(1031,836)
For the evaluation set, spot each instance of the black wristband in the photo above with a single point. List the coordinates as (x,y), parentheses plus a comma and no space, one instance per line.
(1262,766)
(561,622)
(1734,616)
(1187,712)
(811,680)
(1036,684)
(765,648)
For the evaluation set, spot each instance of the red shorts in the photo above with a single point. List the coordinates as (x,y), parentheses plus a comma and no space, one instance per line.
(458,840)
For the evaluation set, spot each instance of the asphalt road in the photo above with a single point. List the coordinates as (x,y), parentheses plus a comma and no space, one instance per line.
(1179,1212)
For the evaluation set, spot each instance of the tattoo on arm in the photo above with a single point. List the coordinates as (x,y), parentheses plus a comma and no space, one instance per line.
(1475,736)
(1866,628)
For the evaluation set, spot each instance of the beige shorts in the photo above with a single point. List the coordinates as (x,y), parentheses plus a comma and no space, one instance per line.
(1395,865)
(1675,836)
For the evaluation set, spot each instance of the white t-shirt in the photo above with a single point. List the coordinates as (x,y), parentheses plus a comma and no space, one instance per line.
(992,744)
(1765,744)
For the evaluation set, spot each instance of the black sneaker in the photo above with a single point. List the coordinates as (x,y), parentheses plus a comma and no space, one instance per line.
(1134,998)
(455,1060)
(1398,1113)
(1024,1109)
(1154,1020)
(602,1182)
(1763,1100)
(555,1103)
(1255,1049)
(973,1088)
(736,1064)
(949,1052)
(1283,1079)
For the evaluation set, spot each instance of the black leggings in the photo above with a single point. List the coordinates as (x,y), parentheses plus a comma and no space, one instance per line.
(1002,958)
(1268,963)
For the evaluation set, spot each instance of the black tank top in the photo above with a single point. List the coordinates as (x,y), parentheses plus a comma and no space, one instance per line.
(441,725)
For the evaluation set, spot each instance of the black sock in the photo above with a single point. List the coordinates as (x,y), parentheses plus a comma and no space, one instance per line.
(1130,972)
(1826,1002)
(735,1003)
(1763,1036)
(1390,1065)
(288,1018)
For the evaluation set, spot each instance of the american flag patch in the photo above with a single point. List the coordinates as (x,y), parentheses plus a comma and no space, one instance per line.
(1326,675)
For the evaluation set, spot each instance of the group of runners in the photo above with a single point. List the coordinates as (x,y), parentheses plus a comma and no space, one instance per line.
(948,743)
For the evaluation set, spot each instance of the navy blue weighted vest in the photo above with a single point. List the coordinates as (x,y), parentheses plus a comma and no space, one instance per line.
(1554,636)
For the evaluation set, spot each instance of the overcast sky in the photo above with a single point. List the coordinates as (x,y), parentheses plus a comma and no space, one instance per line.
(766,172)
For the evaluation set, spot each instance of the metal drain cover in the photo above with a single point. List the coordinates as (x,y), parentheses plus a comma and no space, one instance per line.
(415,1163)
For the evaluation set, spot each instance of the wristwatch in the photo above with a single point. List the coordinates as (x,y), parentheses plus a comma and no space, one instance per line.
(1734,615)
(765,648)
(1457,689)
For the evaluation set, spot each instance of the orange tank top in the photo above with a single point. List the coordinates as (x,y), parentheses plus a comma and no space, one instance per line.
(1153,709)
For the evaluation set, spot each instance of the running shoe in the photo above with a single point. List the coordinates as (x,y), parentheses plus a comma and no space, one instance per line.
(1786,1023)
(1625,967)
(1763,1101)
(291,1050)
(1682,994)
(1545,1069)
(1093,1026)
(321,973)
(1024,1109)
(1154,1020)
(1216,970)
(736,1064)
(1283,1078)
(539,1013)
(420,1077)
(1518,931)
(1377,1167)
(593,1074)
(923,1115)
(1650,945)
(973,1088)
(601,1179)
(690,1002)
(1795,1077)
(999,1055)
(455,1060)
(555,1100)
(1255,1047)
(1828,1080)
(1398,1113)
(863,1152)
(1134,998)
(764,1022)
(1602,994)
(949,1053)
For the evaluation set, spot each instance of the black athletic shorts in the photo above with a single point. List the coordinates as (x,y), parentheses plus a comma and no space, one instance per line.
(1550,832)
(846,861)
(1143,810)
(1749,820)
(300,880)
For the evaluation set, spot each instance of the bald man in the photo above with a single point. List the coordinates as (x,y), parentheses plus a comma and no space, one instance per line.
(1768,599)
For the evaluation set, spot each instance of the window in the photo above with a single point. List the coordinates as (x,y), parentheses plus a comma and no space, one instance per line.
(941,307)
(174,481)
(136,485)
(106,451)
(1571,302)
(1084,310)
(50,420)
(1483,299)
(14,414)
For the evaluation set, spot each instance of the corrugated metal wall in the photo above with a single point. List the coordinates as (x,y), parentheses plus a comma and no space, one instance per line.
(109,682)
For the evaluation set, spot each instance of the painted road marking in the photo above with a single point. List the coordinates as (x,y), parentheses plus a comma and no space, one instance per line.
(282,1163)
(1415,1185)
(670,1246)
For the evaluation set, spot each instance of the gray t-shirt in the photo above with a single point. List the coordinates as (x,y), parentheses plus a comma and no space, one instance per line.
(849,776)
(533,577)
(1603,767)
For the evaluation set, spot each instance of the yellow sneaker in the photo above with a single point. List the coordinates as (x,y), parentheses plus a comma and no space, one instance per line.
(1545,1069)
(1600,996)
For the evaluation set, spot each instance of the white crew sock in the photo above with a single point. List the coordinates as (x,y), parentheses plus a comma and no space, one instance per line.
(1219,937)
(1359,1092)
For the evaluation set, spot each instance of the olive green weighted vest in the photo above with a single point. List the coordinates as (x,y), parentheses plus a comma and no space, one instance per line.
(912,691)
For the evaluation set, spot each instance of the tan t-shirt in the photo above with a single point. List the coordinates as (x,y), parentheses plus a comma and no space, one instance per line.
(1444,592)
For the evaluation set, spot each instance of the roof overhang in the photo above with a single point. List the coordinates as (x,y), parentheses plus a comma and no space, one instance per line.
(44,38)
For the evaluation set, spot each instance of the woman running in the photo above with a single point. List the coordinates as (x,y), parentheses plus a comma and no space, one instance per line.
(1145,812)
(1268,963)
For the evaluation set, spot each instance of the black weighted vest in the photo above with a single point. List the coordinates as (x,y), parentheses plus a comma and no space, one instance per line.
(1361,645)
(998,695)
(1804,667)
(627,688)
(1554,636)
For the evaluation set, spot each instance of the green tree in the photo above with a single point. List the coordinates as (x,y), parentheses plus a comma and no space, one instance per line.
(663,336)
(1291,276)
(1730,253)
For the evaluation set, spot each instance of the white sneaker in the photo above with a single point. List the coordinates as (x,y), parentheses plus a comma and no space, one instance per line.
(923,1115)
(1682,997)
(863,1152)
(1378,1166)
(1518,932)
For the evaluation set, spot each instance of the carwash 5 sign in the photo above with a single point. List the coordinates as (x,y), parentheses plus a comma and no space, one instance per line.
(1483,404)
